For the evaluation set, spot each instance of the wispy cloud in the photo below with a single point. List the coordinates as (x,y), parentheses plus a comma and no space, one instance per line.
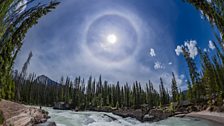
(64,52)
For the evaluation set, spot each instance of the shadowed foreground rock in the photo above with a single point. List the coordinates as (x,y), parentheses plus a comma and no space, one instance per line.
(19,115)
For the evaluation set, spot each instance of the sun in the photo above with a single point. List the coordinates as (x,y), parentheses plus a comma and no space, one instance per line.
(112,38)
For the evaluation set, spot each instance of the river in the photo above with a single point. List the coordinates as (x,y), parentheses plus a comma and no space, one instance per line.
(70,118)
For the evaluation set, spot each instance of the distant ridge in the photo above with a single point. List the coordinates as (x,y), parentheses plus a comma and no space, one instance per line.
(45,80)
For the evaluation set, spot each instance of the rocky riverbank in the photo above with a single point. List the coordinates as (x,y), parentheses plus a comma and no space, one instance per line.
(16,114)
(156,114)
(153,114)
(144,116)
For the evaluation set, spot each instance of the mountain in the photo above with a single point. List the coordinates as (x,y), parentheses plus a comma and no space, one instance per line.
(45,80)
(184,92)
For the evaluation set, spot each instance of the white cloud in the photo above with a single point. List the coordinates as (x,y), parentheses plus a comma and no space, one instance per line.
(170,63)
(179,50)
(182,76)
(211,45)
(209,1)
(191,46)
(168,79)
(202,14)
(152,52)
(158,65)
(180,79)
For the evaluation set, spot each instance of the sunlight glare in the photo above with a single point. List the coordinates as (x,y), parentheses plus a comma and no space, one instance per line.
(111,38)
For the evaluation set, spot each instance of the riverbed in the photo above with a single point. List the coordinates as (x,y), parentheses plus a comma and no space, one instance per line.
(70,118)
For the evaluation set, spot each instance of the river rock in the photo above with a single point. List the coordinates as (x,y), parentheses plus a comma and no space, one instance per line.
(102,109)
(61,106)
(152,116)
(110,117)
(159,114)
(134,113)
(149,118)
(47,124)
(180,115)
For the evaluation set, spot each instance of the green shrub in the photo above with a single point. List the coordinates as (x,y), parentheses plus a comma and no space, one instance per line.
(171,107)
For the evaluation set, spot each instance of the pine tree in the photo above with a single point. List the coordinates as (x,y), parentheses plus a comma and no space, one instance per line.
(163,93)
(13,28)
(174,89)
(22,75)
(194,75)
(189,91)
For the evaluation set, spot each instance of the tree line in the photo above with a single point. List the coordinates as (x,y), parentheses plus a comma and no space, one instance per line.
(91,93)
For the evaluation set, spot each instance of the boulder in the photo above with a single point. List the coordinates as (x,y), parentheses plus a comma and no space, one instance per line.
(159,114)
(16,114)
(61,106)
(192,109)
(27,117)
(47,124)
(152,116)
(180,115)
(134,113)
(110,117)
(149,118)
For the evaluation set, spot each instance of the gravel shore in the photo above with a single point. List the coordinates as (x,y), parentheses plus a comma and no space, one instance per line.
(211,116)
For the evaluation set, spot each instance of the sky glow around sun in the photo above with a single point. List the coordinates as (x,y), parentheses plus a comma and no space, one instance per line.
(111,38)
(122,41)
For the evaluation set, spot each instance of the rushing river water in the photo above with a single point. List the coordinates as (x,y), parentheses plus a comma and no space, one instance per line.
(70,118)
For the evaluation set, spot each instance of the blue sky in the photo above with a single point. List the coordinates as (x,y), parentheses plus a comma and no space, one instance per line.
(73,40)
